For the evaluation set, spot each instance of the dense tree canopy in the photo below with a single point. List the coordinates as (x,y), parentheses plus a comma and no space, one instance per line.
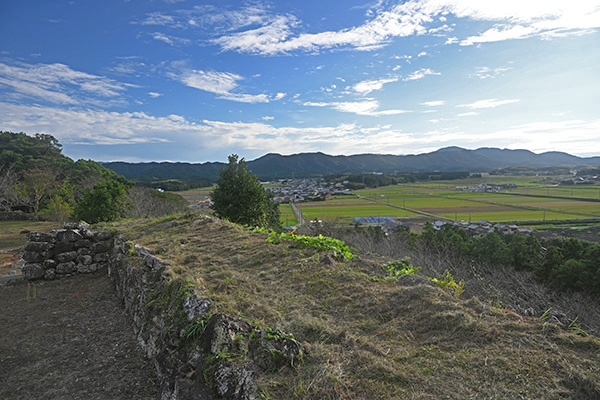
(240,197)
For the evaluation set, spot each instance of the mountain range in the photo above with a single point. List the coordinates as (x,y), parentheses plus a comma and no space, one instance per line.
(272,165)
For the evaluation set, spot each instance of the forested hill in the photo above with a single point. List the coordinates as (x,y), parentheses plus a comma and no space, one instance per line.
(317,164)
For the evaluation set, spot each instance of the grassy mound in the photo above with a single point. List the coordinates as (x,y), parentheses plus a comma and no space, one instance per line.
(365,337)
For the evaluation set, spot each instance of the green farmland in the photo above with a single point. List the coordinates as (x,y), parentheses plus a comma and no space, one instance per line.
(287,216)
(531,203)
(346,209)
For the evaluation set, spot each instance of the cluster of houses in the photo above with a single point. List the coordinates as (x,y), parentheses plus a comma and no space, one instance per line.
(482,227)
(479,228)
(487,188)
(300,190)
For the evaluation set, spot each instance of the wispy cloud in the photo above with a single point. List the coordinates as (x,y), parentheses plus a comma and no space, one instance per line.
(512,19)
(488,103)
(420,74)
(487,72)
(367,107)
(365,87)
(58,83)
(222,84)
(434,103)
(157,18)
(170,40)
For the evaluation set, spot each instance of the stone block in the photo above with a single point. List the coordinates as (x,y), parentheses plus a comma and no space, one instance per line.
(66,268)
(37,247)
(68,235)
(84,251)
(221,331)
(33,271)
(85,260)
(50,274)
(101,247)
(33,257)
(86,269)
(49,264)
(100,257)
(39,237)
(64,257)
(82,243)
(63,247)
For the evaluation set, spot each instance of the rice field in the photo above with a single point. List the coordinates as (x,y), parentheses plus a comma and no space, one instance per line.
(443,200)
(347,209)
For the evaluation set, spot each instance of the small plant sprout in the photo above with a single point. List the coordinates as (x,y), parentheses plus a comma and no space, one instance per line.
(546,315)
(574,327)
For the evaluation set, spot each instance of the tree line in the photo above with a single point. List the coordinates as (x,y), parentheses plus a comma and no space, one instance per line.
(567,263)
(37,178)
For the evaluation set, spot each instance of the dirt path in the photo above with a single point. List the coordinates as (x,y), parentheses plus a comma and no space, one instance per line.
(59,345)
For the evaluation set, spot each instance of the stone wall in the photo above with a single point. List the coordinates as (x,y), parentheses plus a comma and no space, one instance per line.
(64,252)
(170,317)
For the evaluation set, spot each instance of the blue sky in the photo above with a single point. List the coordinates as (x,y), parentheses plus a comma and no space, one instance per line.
(195,81)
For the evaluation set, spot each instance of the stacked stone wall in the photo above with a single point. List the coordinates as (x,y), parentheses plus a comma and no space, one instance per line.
(138,276)
(75,249)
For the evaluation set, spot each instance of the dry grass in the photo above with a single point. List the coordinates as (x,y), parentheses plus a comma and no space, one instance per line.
(11,236)
(368,339)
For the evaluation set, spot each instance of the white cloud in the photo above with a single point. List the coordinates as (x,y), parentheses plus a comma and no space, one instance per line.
(157,18)
(421,54)
(367,107)
(365,87)
(170,40)
(488,103)
(217,139)
(222,84)
(420,74)
(467,114)
(572,136)
(211,81)
(268,118)
(154,95)
(435,103)
(58,83)
(487,72)
(513,19)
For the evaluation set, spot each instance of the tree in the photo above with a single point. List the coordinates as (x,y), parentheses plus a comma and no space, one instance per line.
(8,187)
(240,197)
(37,186)
(58,209)
(147,202)
(105,203)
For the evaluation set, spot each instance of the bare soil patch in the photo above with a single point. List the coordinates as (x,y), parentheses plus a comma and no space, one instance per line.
(59,345)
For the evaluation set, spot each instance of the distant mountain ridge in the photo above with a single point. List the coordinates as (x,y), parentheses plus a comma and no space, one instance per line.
(273,165)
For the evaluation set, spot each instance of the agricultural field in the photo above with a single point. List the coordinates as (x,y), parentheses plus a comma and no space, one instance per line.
(346,209)
(531,202)
(196,194)
(287,216)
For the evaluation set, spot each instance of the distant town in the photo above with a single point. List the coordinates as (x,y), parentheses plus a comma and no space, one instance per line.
(301,190)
